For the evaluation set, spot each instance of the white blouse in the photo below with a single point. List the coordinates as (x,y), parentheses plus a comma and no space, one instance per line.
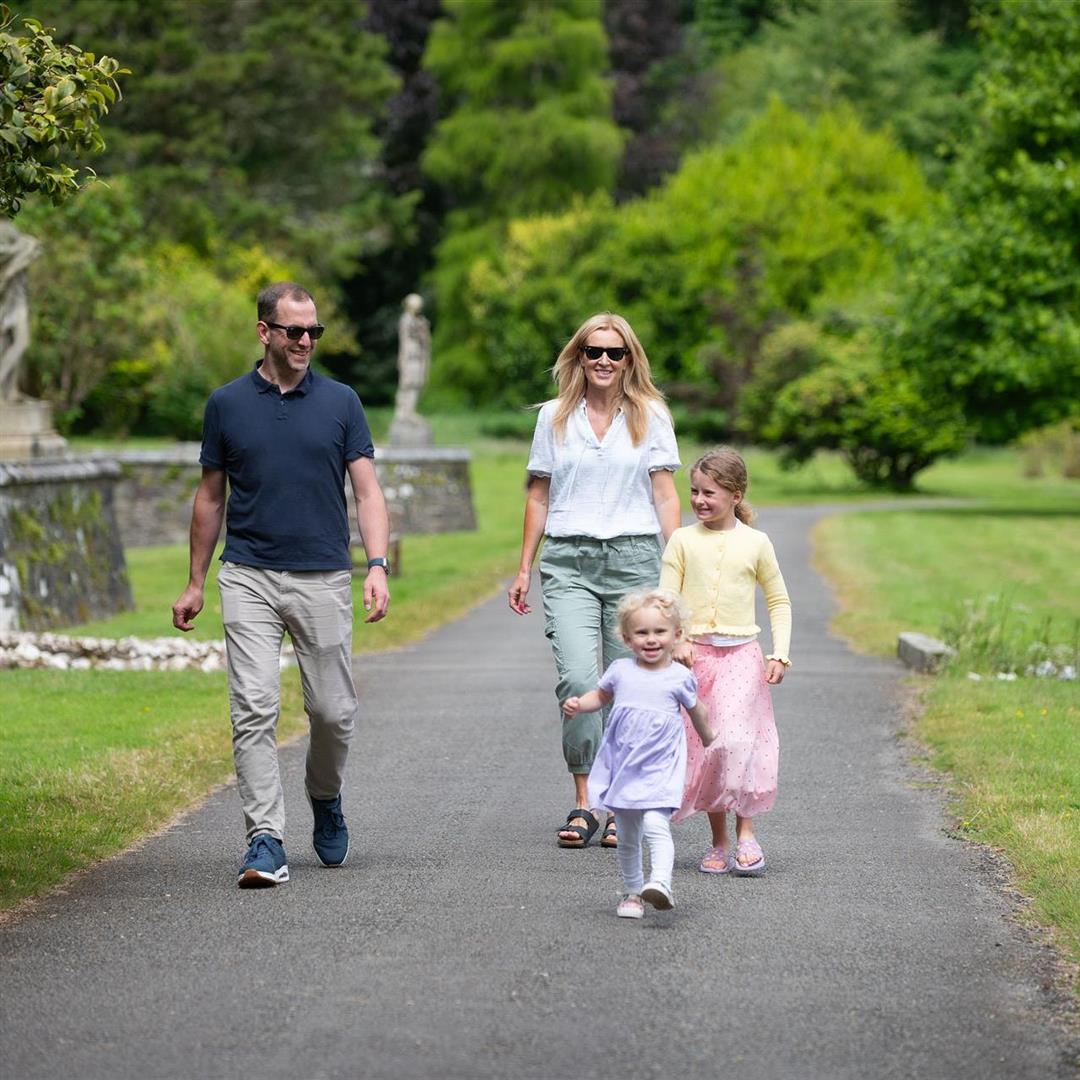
(601,488)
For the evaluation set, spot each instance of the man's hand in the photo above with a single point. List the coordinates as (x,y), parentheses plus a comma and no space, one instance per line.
(189,604)
(376,594)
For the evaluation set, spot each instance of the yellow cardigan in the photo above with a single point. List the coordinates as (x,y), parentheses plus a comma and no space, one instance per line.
(716,571)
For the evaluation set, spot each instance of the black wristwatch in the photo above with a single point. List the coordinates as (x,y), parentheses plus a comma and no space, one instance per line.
(382,561)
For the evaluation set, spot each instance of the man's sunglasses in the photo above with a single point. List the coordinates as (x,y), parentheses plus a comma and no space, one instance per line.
(295,333)
(616,352)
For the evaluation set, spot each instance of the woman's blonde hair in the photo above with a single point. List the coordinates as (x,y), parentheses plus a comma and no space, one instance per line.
(637,392)
(668,603)
(726,467)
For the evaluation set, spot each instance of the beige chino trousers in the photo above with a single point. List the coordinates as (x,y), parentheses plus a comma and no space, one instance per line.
(314,607)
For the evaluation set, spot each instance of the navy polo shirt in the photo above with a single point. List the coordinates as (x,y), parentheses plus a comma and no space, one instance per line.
(285,458)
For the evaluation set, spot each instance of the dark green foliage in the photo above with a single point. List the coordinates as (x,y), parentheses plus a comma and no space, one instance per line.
(373,296)
(662,85)
(727,25)
(249,120)
(834,51)
(989,303)
(52,100)
(527,128)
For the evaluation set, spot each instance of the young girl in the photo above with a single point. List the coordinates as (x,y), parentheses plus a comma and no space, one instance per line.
(640,767)
(715,566)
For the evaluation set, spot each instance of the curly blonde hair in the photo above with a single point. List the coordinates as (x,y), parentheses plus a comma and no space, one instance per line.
(668,603)
(637,392)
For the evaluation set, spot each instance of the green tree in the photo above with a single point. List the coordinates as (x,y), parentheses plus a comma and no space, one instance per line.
(248,120)
(527,127)
(833,51)
(988,307)
(52,99)
(787,221)
(131,333)
(817,390)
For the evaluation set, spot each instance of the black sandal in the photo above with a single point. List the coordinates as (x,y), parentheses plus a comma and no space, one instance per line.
(584,832)
(610,837)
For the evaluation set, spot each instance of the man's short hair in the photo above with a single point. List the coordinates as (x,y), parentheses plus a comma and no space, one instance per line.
(270,296)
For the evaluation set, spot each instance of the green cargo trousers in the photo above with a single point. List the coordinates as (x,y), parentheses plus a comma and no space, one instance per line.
(582,581)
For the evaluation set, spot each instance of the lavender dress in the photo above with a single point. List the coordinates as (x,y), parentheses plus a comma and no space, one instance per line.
(641,763)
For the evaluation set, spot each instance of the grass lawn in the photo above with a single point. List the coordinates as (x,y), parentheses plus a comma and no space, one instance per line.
(95,759)
(1010,750)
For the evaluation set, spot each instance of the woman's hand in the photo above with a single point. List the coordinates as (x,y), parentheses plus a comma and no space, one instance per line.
(519,591)
(683,653)
(774,672)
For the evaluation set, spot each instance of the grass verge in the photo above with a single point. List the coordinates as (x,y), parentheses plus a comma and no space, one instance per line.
(1010,750)
(93,760)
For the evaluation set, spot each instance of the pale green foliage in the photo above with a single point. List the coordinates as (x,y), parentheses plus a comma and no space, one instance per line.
(131,333)
(788,219)
(52,98)
(989,303)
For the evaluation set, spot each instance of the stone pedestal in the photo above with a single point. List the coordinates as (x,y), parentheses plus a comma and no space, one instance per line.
(410,433)
(427,491)
(26,431)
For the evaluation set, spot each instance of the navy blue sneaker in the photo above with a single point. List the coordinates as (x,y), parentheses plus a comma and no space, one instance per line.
(264,865)
(331,836)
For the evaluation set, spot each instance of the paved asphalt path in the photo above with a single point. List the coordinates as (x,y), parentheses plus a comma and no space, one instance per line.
(458,941)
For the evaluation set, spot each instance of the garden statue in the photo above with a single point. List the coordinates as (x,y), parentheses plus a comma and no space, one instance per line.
(408,428)
(26,429)
(17,252)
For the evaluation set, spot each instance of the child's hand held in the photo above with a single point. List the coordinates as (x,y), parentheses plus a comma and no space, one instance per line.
(571,706)
(774,672)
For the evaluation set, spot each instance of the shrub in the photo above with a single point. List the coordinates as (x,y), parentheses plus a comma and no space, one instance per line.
(874,414)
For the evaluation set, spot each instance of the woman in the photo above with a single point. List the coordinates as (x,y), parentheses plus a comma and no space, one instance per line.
(601,487)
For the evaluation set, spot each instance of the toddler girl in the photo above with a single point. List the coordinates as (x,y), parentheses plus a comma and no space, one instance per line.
(716,566)
(640,767)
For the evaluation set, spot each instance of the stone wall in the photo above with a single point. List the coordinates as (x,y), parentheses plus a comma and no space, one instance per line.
(61,556)
(427,491)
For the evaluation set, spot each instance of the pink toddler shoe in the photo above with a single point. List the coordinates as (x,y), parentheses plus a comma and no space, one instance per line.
(717,860)
(630,907)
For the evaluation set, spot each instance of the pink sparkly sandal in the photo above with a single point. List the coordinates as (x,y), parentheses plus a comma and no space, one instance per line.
(630,907)
(717,860)
(753,869)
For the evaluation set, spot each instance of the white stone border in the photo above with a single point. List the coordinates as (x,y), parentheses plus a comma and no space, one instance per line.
(28,650)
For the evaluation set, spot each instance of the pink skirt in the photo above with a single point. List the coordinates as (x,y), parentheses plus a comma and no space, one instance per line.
(739,770)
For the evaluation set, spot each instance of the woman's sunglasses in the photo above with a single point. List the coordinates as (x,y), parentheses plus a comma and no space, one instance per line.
(615,352)
(295,333)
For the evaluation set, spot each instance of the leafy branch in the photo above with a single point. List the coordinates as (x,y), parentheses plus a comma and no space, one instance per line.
(52,98)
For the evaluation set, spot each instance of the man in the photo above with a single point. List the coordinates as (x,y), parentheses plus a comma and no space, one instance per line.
(285,438)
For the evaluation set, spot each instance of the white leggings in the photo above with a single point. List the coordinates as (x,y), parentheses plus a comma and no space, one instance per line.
(656,825)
